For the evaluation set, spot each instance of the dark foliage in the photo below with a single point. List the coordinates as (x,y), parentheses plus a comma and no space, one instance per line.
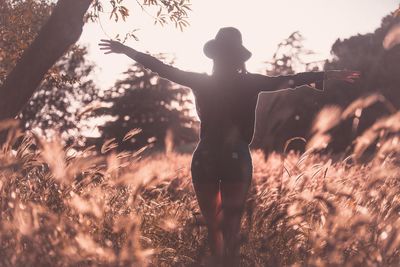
(143,100)
(57,103)
(285,115)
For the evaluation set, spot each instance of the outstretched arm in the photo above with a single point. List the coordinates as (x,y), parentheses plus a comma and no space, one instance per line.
(173,74)
(275,83)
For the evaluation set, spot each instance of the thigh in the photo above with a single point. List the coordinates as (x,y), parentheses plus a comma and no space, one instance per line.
(236,176)
(204,167)
(209,199)
(234,195)
(236,165)
(206,185)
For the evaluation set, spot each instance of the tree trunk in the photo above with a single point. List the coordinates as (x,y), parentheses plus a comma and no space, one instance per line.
(62,30)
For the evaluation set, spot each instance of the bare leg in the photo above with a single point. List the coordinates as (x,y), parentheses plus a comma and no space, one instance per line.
(209,199)
(233,200)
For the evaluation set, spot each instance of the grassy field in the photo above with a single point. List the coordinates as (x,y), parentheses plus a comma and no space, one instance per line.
(62,207)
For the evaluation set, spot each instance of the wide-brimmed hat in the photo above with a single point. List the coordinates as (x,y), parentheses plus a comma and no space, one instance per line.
(228,41)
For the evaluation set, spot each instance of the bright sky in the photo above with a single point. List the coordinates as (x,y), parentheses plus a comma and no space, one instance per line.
(263,23)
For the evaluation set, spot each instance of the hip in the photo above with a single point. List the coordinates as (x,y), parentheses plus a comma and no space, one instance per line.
(227,162)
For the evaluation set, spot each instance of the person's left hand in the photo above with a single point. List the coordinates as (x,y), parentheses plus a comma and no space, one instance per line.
(343,75)
(111,46)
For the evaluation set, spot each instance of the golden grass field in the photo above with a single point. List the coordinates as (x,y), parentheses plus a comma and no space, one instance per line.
(62,207)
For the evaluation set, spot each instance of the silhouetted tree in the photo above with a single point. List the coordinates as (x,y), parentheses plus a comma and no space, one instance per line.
(380,75)
(18,33)
(380,67)
(289,114)
(66,86)
(143,100)
(61,30)
(57,104)
(286,114)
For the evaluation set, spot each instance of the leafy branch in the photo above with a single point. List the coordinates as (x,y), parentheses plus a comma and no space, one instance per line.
(169,11)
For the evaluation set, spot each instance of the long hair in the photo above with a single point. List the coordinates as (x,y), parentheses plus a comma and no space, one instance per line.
(240,69)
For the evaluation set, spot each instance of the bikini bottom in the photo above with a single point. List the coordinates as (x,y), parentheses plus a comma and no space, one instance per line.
(221,163)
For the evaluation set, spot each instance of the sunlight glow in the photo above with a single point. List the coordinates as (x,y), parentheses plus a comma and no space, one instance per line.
(263,23)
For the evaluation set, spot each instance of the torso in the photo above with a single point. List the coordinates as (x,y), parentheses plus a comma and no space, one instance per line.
(226,109)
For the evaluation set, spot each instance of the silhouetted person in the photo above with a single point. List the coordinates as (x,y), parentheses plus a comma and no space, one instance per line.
(225,102)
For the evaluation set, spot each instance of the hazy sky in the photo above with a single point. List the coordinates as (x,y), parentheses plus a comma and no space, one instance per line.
(263,23)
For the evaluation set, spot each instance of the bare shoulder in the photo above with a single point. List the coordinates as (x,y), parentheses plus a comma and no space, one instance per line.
(255,78)
(199,80)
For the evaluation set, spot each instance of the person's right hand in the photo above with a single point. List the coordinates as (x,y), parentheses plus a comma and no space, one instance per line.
(110,46)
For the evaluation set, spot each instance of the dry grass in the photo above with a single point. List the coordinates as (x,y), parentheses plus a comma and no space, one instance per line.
(60,207)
